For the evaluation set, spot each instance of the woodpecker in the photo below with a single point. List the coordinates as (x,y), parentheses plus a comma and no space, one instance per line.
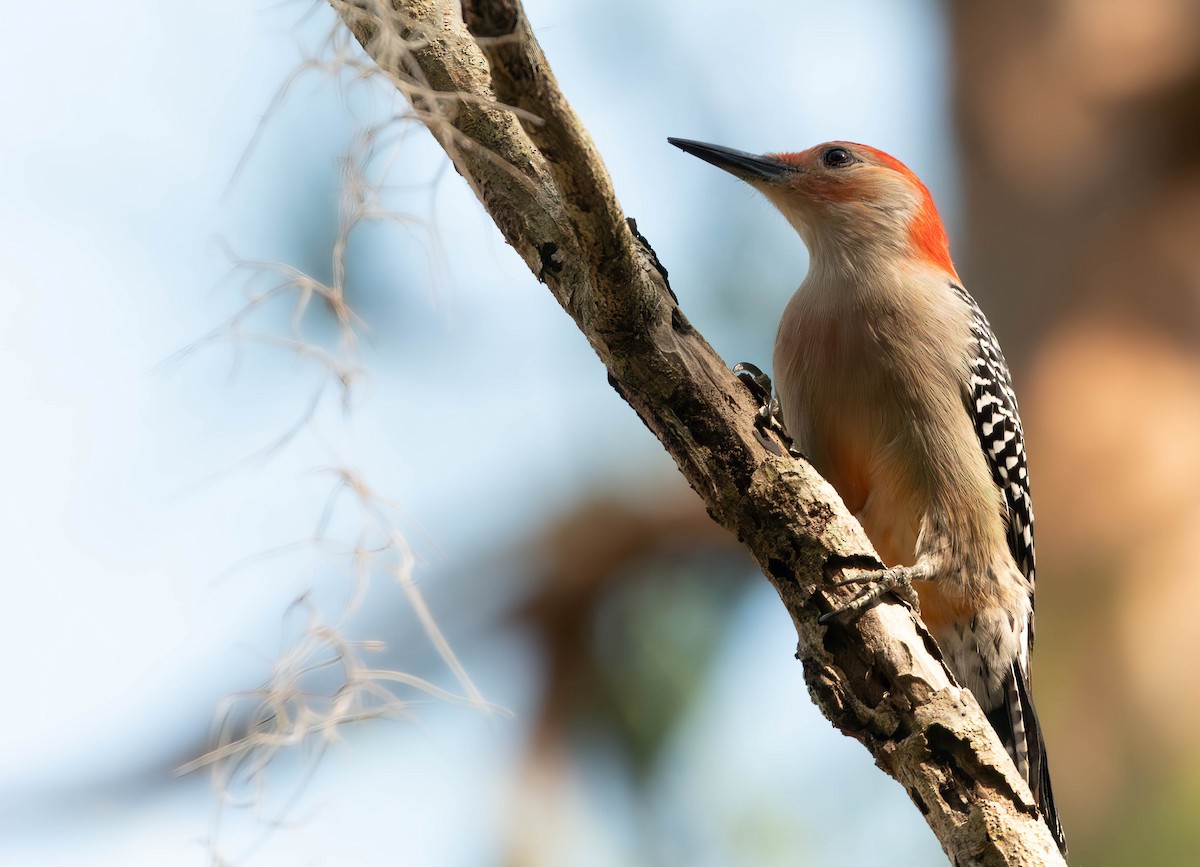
(891,382)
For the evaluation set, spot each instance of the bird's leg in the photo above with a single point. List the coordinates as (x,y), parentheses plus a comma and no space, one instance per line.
(898,580)
(768,418)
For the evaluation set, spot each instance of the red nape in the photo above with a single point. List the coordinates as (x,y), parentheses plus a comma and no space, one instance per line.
(927,234)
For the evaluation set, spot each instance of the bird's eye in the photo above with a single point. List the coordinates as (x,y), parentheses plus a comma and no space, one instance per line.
(836,158)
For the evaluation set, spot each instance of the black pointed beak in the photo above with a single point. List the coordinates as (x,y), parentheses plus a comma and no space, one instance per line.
(748,167)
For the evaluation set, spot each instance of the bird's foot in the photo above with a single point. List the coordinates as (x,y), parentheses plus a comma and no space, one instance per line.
(768,417)
(898,580)
(755,380)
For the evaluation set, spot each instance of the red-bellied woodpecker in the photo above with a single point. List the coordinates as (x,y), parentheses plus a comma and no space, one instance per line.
(892,384)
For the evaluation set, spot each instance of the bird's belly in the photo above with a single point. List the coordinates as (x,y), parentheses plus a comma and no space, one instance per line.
(891,515)
(942,610)
(846,420)
(892,521)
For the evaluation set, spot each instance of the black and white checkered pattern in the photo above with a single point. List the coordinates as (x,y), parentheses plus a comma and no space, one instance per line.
(993,406)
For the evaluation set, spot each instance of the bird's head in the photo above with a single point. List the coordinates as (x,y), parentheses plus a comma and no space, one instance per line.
(848,201)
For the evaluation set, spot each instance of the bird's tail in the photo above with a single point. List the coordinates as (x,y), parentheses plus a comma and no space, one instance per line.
(1016,722)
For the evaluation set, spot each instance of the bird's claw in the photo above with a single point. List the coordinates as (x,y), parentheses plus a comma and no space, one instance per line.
(755,380)
(898,580)
(768,417)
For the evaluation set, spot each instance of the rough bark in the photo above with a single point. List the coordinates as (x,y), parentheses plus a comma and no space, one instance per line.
(477,77)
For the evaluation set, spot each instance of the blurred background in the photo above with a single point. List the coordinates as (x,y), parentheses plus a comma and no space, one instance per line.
(424,581)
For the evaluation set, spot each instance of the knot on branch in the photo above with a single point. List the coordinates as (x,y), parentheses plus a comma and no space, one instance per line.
(546,253)
(492,18)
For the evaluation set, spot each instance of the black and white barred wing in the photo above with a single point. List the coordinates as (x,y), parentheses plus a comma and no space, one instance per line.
(992,403)
(993,406)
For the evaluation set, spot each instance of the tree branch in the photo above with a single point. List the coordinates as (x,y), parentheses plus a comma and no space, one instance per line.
(477,77)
